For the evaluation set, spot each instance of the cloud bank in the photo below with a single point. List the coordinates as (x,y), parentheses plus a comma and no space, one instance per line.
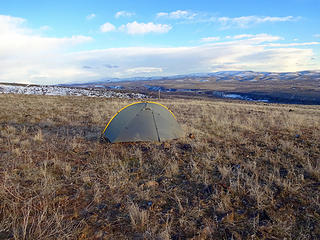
(27,57)
(241,54)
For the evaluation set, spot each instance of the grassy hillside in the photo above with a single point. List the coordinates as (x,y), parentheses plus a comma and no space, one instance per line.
(249,171)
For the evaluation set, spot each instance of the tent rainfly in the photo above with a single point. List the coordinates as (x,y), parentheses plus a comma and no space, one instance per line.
(142,121)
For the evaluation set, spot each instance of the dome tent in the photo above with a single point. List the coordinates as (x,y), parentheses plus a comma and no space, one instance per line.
(142,121)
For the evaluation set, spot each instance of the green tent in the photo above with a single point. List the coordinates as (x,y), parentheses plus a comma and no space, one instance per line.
(142,121)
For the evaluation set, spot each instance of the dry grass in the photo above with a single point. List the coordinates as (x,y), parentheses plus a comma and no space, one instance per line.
(251,172)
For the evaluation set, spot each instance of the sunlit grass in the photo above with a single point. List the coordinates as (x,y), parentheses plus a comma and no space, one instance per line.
(251,171)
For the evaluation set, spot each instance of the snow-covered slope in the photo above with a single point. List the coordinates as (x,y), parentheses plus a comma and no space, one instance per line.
(66,91)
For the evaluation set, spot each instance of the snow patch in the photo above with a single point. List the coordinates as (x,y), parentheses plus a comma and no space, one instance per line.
(66,91)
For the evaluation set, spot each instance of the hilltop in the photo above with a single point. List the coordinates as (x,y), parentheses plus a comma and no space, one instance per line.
(249,171)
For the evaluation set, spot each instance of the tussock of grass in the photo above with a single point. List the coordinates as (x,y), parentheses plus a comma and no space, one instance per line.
(250,172)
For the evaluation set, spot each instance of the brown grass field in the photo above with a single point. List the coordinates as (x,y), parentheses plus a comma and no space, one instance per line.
(251,171)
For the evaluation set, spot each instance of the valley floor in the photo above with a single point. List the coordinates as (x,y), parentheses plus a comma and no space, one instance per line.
(249,171)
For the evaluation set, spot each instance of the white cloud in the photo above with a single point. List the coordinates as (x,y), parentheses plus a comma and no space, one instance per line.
(239,54)
(241,36)
(107,27)
(143,28)
(124,14)
(317,35)
(247,21)
(90,16)
(225,22)
(10,24)
(210,39)
(162,14)
(292,44)
(26,56)
(256,38)
(15,38)
(179,14)
(139,70)
(137,28)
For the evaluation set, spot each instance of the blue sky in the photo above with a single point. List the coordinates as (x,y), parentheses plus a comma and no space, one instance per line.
(48,42)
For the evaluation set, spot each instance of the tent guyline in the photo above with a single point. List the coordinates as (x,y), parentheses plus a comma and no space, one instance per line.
(142,121)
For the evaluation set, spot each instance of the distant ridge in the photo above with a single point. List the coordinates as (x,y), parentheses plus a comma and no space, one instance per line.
(220,76)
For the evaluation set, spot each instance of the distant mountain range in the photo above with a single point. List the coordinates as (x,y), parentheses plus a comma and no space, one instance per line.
(219,76)
(270,87)
(285,87)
